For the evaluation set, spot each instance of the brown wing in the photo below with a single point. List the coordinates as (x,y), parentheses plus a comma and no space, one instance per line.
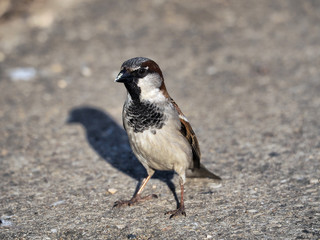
(189,134)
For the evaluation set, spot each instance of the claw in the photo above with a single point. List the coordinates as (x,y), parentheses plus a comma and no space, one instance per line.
(136,199)
(178,212)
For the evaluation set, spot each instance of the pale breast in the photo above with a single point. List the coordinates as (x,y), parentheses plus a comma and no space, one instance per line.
(159,145)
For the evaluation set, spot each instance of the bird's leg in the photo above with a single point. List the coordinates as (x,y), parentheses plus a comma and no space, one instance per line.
(137,197)
(180,210)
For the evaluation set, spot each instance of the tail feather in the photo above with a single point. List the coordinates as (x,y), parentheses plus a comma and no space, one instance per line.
(201,172)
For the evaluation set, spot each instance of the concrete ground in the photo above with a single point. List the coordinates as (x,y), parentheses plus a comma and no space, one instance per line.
(245,73)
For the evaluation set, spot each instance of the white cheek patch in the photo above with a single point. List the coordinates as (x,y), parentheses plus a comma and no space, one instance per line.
(183,118)
(149,86)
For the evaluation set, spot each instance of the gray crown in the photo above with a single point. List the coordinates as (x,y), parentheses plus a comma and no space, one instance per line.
(135,62)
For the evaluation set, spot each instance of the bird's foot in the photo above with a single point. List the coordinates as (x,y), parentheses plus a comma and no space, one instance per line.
(178,212)
(136,199)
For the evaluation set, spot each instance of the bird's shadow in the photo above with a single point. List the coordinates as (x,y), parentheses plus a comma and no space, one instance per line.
(110,142)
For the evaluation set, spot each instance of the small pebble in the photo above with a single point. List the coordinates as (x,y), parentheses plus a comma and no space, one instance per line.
(57,203)
(215,185)
(43,19)
(62,84)
(22,74)
(5,223)
(299,206)
(112,190)
(86,71)
(314,180)
(121,226)
(211,70)
(4,152)
(252,211)
(56,68)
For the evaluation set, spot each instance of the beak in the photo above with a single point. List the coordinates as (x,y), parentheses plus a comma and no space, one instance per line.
(123,76)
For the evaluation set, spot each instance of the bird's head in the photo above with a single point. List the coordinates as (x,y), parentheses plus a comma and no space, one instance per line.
(143,80)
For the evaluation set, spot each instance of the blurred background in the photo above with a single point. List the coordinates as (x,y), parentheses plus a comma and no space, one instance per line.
(245,73)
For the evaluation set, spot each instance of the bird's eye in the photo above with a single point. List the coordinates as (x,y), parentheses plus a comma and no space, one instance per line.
(142,72)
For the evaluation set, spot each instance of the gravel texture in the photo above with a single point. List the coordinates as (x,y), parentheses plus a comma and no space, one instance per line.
(245,73)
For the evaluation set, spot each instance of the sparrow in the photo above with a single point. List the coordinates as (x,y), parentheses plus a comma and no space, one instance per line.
(159,134)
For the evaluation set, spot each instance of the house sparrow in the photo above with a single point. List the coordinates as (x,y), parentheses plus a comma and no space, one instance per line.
(160,135)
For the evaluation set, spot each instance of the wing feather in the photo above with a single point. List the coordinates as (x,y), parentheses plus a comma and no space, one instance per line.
(187,131)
